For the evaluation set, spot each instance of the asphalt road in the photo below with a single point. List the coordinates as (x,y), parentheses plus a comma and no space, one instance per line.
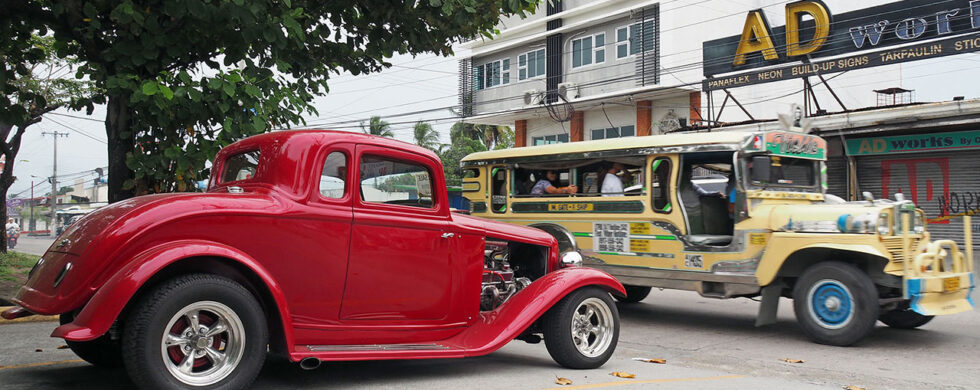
(33,245)
(707,343)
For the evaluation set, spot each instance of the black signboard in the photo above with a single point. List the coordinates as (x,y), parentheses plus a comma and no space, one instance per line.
(898,23)
(957,45)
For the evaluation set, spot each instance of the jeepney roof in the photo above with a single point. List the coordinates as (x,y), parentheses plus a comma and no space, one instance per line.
(627,143)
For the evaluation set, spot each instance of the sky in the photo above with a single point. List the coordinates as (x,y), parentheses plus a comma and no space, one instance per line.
(412,84)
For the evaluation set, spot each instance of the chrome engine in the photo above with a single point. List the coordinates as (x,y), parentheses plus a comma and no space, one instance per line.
(499,283)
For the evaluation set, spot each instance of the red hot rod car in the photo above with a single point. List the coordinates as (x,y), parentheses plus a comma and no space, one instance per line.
(319,246)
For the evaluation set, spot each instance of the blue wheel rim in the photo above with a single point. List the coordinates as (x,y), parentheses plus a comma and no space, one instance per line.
(831,304)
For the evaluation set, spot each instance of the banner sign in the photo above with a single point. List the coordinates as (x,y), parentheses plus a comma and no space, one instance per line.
(789,144)
(946,47)
(826,35)
(913,143)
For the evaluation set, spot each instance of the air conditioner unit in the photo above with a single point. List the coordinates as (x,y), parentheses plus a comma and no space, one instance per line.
(568,90)
(533,97)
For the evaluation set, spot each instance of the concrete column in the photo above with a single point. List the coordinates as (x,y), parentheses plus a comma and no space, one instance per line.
(578,127)
(644,118)
(520,133)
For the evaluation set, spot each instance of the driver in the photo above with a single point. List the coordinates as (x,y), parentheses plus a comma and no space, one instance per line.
(12,225)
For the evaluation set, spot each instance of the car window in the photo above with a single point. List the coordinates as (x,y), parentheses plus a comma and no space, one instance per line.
(241,166)
(388,181)
(334,175)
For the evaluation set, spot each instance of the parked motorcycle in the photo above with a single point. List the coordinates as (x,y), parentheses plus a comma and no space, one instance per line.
(12,235)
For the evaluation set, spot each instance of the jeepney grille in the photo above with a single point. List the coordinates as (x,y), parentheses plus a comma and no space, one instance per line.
(894,246)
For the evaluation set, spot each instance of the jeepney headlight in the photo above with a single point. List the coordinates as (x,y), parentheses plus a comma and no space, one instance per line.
(883,227)
(919,223)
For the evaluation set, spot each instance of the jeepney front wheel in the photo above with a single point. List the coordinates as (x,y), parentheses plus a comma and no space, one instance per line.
(904,319)
(835,303)
(634,294)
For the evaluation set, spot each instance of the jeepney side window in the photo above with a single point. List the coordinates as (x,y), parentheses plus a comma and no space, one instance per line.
(660,181)
(498,189)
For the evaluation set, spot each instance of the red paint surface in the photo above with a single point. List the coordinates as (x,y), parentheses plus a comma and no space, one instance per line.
(891,172)
(340,271)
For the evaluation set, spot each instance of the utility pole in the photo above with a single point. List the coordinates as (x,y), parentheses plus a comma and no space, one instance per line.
(54,182)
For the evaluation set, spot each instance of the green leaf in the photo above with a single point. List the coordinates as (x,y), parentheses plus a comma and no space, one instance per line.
(167,92)
(150,88)
(229,89)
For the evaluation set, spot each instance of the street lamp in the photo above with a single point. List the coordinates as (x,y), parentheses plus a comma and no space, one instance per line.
(32,227)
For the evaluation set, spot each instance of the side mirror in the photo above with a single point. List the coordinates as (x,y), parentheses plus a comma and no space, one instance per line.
(760,169)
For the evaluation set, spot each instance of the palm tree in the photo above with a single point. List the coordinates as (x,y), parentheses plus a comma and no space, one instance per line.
(378,127)
(426,136)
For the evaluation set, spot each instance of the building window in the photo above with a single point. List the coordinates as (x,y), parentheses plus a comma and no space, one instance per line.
(589,50)
(614,132)
(491,74)
(636,38)
(550,139)
(531,64)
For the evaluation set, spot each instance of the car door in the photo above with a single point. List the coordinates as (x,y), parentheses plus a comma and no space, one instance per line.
(399,265)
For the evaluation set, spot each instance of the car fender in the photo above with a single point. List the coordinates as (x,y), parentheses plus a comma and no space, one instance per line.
(496,328)
(774,258)
(98,314)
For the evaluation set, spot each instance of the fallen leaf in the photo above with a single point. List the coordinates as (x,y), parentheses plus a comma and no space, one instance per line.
(651,360)
(852,387)
(39,350)
(788,360)
(62,346)
(563,381)
(622,374)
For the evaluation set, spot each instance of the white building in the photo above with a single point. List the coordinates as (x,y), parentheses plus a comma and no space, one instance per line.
(627,68)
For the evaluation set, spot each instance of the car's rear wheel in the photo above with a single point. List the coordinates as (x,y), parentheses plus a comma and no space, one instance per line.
(904,319)
(581,330)
(196,331)
(101,352)
(634,294)
(835,303)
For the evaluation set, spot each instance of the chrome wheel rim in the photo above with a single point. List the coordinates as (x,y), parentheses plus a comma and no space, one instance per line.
(592,327)
(203,343)
(830,303)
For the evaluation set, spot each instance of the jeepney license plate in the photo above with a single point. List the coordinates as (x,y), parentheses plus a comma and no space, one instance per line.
(951,284)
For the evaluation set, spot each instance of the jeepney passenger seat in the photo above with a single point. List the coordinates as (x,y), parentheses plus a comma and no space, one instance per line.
(716,223)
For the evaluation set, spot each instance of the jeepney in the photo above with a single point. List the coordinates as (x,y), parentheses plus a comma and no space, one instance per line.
(732,214)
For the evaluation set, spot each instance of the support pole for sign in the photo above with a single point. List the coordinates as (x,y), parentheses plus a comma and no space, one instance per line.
(832,93)
(711,109)
(740,105)
(723,103)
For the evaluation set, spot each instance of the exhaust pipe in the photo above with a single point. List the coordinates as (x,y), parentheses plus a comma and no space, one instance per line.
(309,363)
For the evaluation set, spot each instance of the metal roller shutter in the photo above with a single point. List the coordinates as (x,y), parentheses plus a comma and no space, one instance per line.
(945,185)
(837,176)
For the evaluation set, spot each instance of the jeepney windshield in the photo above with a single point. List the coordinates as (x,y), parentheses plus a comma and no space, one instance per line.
(783,172)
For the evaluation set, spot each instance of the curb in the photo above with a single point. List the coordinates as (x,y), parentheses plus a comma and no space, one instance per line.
(33,318)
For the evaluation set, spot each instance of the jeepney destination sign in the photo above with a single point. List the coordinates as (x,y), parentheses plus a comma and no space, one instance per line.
(924,29)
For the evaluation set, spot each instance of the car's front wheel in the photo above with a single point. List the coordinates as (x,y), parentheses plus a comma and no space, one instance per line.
(196,331)
(581,330)
(835,303)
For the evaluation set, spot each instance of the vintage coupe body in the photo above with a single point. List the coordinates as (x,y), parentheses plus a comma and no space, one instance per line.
(316,245)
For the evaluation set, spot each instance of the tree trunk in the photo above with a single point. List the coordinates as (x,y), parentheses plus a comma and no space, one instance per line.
(118,122)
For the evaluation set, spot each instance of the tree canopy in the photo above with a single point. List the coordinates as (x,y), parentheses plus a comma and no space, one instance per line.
(425,136)
(378,127)
(181,78)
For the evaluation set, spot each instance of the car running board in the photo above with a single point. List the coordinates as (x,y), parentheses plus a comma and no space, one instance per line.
(376,347)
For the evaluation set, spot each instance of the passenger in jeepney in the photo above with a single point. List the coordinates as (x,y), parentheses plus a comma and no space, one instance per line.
(546,185)
(612,185)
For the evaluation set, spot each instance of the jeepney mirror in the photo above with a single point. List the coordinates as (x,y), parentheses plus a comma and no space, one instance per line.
(760,169)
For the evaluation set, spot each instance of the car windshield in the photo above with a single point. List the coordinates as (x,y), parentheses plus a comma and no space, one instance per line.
(783,172)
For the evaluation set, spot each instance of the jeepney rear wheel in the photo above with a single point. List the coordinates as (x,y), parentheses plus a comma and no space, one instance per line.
(102,352)
(904,319)
(634,294)
(581,330)
(835,303)
(196,331)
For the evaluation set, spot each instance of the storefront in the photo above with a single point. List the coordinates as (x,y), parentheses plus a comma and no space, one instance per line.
(936,167)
